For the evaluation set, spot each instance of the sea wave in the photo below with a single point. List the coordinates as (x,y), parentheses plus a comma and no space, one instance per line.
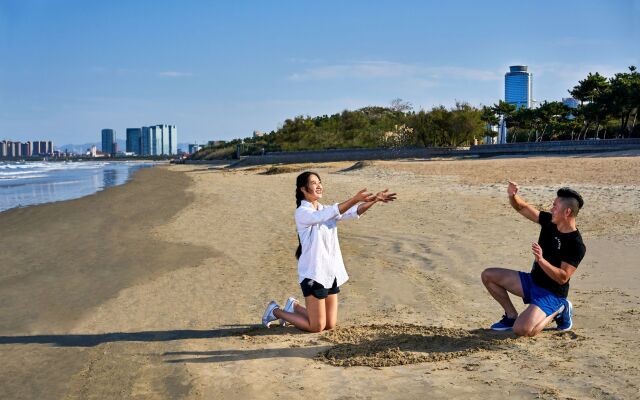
(11,177)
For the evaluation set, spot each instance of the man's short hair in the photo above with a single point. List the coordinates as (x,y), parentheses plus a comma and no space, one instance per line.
(571,199)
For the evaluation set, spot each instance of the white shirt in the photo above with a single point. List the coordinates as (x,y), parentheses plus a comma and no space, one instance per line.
(321,259)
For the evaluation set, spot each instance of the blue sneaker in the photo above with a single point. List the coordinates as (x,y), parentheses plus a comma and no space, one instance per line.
(288,307)
(505,324)
(564,320)
(268,316)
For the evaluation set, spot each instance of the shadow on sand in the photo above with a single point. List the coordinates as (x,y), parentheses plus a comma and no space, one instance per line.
(384,346)
(372,345)
(90,340)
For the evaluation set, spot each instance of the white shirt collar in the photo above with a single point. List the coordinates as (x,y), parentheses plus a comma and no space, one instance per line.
(305,203)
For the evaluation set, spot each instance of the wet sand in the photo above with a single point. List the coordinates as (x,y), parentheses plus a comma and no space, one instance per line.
(154,289)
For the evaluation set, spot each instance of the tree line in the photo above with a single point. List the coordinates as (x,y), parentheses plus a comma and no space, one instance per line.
(607,108)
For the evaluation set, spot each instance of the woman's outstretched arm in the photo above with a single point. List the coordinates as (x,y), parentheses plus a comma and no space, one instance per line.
(310,217)
(362,195)
(383,196)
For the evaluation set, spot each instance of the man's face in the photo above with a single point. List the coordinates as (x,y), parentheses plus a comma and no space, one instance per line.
(558,211)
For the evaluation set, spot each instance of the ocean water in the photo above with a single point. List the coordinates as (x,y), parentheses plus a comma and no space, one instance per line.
(28,183)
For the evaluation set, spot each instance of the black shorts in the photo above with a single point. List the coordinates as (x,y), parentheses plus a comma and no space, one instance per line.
(312,288)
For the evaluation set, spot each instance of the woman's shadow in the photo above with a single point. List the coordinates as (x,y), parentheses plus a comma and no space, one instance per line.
(374,346)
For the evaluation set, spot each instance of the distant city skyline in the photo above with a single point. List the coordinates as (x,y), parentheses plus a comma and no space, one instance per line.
(223,70)
(29,148)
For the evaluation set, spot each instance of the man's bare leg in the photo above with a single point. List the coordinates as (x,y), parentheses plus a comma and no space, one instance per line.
(500,282)
(532,321)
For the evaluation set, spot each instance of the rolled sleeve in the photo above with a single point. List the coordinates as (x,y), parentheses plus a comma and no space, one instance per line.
(308,216)
(351,213)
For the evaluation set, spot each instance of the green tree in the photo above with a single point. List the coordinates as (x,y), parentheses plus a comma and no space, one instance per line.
(464,125)
(490,119)
(591,92)
(505,111)
(624,98)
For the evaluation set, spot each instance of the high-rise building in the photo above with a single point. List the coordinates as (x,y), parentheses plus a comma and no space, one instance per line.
(108,141)
(26,149)
(16,149)
(163,133)
(145,141)
(3,148)
(134,140)
(158,140)
(518,86)
(173,139)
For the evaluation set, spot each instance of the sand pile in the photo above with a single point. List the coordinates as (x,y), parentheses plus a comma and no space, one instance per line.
(389,345)
(358,165)
(290,168)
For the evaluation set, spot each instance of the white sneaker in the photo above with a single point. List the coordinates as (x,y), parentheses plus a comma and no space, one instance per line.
(268,316)
(288,307)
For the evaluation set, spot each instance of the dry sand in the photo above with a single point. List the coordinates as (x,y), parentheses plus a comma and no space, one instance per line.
(154,289)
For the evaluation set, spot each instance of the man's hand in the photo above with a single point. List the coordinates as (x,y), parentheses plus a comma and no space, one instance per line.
(537,251)
(520,205)
(512,189)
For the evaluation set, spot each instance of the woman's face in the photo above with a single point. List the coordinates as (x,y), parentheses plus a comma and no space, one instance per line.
(313,191)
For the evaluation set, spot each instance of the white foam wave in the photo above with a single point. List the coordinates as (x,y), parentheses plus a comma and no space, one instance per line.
(10,178)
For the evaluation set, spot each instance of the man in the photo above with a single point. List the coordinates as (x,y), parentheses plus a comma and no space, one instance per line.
(557,254)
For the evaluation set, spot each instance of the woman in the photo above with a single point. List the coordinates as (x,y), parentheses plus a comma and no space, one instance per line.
(321,270)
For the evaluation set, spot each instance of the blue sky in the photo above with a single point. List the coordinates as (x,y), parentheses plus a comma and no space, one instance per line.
(219,70)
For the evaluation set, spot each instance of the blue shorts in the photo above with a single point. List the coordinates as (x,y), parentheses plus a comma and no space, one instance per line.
(548,302)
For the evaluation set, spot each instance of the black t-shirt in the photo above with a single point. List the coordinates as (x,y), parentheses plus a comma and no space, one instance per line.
(556,248)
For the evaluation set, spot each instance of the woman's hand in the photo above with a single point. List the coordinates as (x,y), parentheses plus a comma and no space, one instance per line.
(362,195)
(384,196)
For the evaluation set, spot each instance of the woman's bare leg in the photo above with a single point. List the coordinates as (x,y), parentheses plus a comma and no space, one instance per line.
(331,305)
(316,318)
(300,309)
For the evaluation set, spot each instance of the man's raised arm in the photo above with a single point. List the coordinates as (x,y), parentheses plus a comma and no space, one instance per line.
(520,205)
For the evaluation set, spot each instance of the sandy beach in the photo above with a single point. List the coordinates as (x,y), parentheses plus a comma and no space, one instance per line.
(155,289)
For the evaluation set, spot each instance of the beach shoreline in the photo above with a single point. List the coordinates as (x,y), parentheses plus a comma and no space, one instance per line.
(154,289)
(24,184)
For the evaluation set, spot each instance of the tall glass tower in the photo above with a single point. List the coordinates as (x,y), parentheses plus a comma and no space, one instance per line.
(173,140)
(108,141)
(518,86)
(134,140)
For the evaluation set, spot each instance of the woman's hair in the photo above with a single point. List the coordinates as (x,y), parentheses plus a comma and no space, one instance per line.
(301,182)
